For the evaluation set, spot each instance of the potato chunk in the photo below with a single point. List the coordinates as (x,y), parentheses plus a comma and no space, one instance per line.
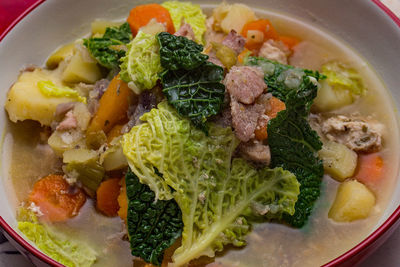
(232,17)
(80,69)
(329,98)
(59,55)
(339,161)
(353,201)
(25,101)
(99,26)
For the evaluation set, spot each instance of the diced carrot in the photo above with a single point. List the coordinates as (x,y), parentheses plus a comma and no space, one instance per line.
(113,107)
(57,200)
(107,197)
(257,32)
(115,132)
(289,41)
(141,15)
(123,202)
(275,105)
(246,52)
(369,169)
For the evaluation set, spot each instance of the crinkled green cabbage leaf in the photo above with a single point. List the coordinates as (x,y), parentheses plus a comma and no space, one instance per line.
(67,252)
(191,13)
(141,65)
(343,77)
(216,194)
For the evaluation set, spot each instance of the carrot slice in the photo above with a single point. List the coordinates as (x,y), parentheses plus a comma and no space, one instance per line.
(57,200)
(107,197)
(123,202)
(113,107)
(141,15)
(275,105)
(257,32)
(115,132)
(289,41)
(369,168)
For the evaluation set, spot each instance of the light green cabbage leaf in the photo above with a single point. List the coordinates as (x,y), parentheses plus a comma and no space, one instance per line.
(217,195)
(141,65)
(67,252)
(191,13)
(49,89)
(342,77)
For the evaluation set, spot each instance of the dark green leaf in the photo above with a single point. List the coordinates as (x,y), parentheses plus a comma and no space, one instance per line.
(107,50)
(178,52)
(153,226)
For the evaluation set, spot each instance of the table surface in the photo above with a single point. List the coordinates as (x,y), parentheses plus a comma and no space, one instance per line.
(388,255)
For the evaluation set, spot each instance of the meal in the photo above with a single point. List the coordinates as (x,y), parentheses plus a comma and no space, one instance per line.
(185,136)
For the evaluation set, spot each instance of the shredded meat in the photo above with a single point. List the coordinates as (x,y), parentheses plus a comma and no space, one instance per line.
(245,117)
(95,94)
(245,83)
(186,31)
(69,122)
(275,50)
(234,41)
(357,134)
(256,151)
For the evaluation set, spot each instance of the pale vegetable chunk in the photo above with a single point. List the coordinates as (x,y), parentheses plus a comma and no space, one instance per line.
(233,17)
(59,55)
(25,101)
(354,201)
(339,161)
(61,141)
(329,98)
(99,26)
(80,69)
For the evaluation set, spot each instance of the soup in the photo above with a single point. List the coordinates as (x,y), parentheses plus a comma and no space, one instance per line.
(71,142)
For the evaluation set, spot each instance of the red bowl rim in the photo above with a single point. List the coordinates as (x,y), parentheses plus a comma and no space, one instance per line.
(341,259)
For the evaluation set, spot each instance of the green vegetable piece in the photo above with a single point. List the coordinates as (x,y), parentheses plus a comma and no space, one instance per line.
(141,65)
(217,195)
(342,77)
(108,50)
(68,252)
(83,164)
(153,226)
(191,14)
(178,52)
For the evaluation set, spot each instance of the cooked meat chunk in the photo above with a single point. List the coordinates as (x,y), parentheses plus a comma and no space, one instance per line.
(357,134)
(63,108)
(68,123)
(234,41)
(186,31)
(274,50)
(95,94)
(256,151)
(245,83)
(245,117)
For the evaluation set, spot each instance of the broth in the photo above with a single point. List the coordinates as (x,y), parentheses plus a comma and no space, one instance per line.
(269,244)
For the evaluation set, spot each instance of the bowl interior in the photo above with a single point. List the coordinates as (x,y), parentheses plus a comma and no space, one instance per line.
(374,35)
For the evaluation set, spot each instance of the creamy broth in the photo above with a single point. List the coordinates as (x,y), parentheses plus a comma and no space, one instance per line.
(269,244)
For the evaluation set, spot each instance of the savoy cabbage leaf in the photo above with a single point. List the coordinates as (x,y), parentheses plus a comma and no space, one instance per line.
(215,193)
(109,48)
(153,226)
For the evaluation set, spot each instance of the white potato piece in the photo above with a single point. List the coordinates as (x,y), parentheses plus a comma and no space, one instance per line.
(339,161)
(233,17)
(59,55)
(354,201)
(329,99)
(99,26)
(25,101)
(81,69)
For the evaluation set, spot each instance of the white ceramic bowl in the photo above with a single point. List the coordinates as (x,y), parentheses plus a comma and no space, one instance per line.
(365,25)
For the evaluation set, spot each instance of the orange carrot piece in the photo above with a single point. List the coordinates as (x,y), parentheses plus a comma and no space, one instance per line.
(262,25)
(275,105)
(141,15)
(289,41)
(57,200)
(107,197)
(369,168)
(115,132)
(113,107)
(123,202)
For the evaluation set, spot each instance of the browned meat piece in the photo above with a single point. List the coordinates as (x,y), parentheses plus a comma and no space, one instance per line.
(274,50)
(245,83)
(357,134)
(256,151)
(234,41)
(245,117)
(69,122)
(186,31)
(95,94)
